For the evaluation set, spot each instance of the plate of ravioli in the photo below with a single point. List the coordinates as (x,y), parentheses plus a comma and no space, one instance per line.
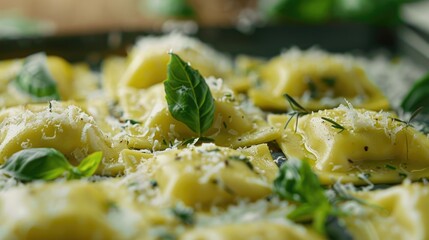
(177,140)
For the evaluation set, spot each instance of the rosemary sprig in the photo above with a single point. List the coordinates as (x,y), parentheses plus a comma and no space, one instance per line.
(334,124)
(408,123)
(413,115)
(298,110)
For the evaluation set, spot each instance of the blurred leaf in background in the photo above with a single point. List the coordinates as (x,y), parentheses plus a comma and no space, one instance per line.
(377,12)
(13,25)
(297,10)
(168,8)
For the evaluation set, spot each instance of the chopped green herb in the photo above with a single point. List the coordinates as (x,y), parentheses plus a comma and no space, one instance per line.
(188,96)
(50,106)
(312,87)
(334,124)
(35,80)
(391,167)
(298,111)
(184,214)
(112,206)
(165,236)
(242,158)
(153,183)
(214,150)
(48,164)
(132,122)
(197,140)
(404,175)
(329,81)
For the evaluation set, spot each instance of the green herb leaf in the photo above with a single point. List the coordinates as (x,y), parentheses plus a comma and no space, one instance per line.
(243,159)
(334,124)
(37,164)
(35,80)
(132,121)
(418,96)
(188,96)
(329,81)
(89,165)
(196,141)
(184,214)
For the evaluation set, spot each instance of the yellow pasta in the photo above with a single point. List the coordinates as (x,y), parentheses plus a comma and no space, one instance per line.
(317,80)
(370,146)
(156,177)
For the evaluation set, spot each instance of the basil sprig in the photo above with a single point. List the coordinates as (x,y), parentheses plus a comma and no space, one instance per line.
(35,80)
(188,96)
(48,164)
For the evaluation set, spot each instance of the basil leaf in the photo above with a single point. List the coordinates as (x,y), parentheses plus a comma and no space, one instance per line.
(36,164)
(188,96)
(89,165)
(418,96)
(35,80)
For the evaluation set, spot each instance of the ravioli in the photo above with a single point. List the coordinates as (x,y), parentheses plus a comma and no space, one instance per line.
(75,210)
(63,127)
(400,212)
(74,82)
(160,180)
(209,175)
(148,60)
(234,125)
(318,80)
(255,230)
(369,147)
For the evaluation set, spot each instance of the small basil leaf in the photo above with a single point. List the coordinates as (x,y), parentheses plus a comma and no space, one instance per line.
(89,165)
(36,164)
(188,96)
(418,96)
(35,80)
